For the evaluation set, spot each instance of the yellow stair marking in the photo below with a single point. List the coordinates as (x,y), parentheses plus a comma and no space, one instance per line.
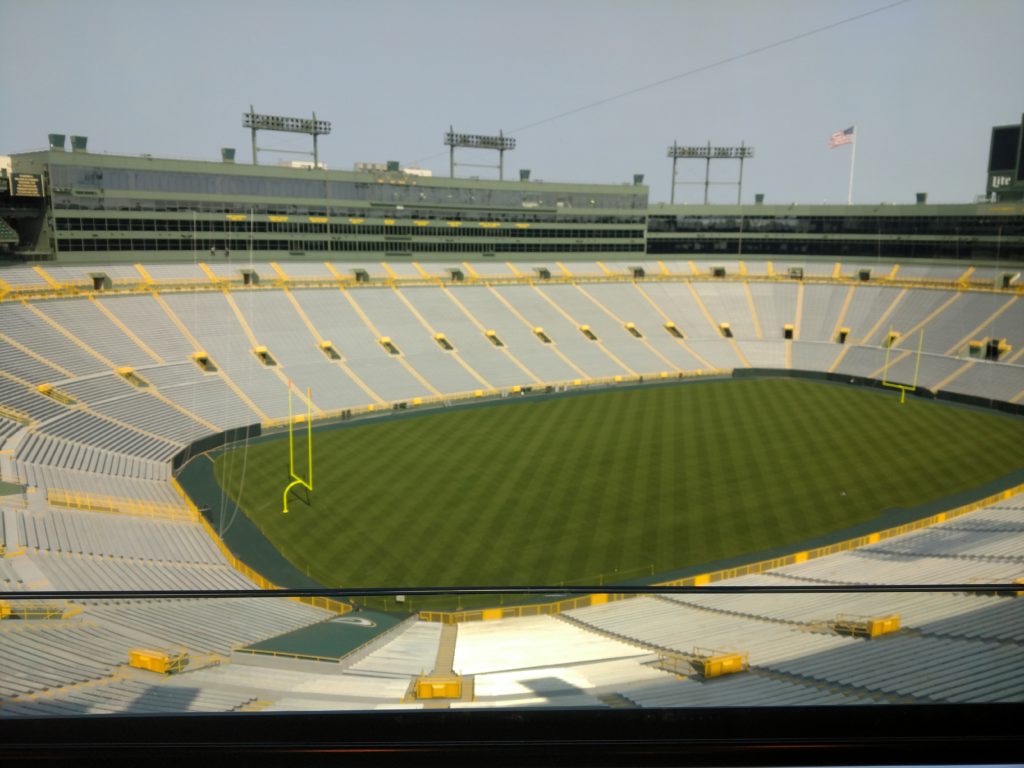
(421,270)
(114,420)
(340,363)
(892,272)
(512,268)
(753,309)
(931,316)
(903,355)
(576,325)
(704,309)
(839,357)
(837,271)
(965,275)
(209,272)
(377,335)
(842,313)
(693,268)
(743,268)
(739,352)
(916,328)
(986,321)
(46,276)
(663,268)
(883,317)
(183,329)
(333,271)
(280,272)
(254,342)
(36,356)
(69,336)
(622,324)
(389,270)
(469,268)
(181,409)
(80,685)
(799,310)
(146,277)
(907,352)
(17,380)
(256,705)
(771,269)
(789,353)
(955,374)
(89,350)
(432,331)
(531,326)
(1018,397)
(1016,355)
(304,317)
(604,268)
(483,329)
(667,319)
(565,270)
(125,329)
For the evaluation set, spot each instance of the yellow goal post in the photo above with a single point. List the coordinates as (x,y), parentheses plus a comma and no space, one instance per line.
(295,479)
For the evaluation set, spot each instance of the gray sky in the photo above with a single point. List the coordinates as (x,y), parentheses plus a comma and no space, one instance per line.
(923,81)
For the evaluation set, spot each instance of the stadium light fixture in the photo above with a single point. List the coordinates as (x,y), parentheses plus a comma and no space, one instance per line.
(708,153)
(260,122)
(500,143)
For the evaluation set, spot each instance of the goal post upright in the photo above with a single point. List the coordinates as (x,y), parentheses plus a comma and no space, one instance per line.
(903,388)
(295,479)
(917,367)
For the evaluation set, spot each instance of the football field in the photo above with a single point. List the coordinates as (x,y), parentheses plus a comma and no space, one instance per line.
(612,485)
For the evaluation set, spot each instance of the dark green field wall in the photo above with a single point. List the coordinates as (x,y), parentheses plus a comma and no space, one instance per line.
(842,378)
(236,530)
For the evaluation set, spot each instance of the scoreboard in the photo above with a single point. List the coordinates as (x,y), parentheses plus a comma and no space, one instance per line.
(26,185)
(1006,163)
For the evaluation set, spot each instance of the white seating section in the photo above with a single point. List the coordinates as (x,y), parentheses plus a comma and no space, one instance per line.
(119,573)
(48,656)
(412,651)
(72,532)
(957,647)
(116,439)
(535,641)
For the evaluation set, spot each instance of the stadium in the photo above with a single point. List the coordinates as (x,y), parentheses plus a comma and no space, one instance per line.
(473,383)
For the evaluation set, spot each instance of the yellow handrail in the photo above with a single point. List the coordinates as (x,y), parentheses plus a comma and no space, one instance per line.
(93,502)
(325,603)
(760,566)
(33,291)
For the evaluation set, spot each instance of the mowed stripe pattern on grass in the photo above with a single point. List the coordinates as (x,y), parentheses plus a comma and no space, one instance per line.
(612,485)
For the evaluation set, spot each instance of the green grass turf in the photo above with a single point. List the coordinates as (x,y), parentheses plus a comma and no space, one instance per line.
(613,485)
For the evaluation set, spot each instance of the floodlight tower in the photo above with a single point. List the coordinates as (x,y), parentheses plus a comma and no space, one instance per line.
(707,154)
(500,143)
(313,127)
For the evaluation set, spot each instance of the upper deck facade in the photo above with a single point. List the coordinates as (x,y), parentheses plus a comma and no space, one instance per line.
(968,231)
(112,208)
(87,207)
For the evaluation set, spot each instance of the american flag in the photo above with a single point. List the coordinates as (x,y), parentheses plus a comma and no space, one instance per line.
(841,137)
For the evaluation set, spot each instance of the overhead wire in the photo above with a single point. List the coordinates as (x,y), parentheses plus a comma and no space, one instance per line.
(695,71)
(245,446)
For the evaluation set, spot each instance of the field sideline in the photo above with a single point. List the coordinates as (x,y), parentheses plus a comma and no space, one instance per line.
(612,485)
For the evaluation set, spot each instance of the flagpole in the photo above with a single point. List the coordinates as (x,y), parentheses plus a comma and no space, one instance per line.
(853,156)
